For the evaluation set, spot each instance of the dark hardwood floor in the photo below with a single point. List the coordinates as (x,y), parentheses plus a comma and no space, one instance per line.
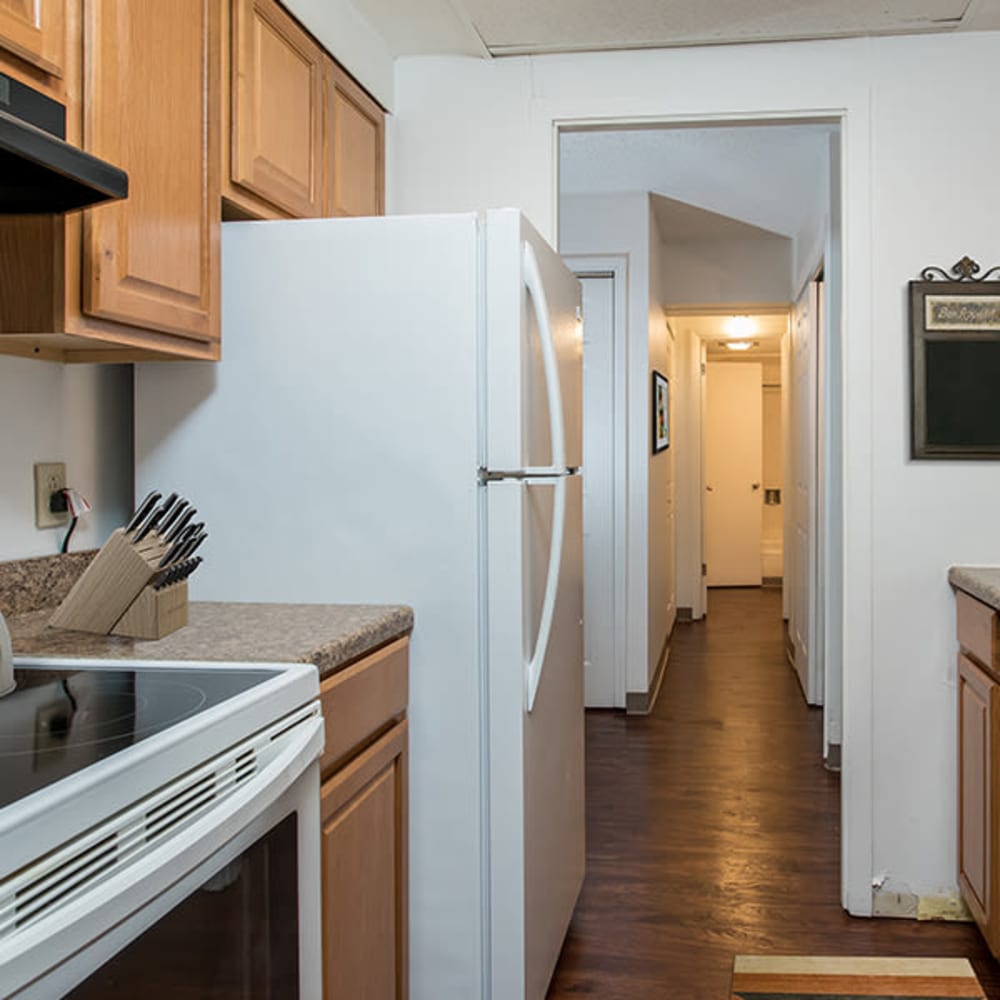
(713,828)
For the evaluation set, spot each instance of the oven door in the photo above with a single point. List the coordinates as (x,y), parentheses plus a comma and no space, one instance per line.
(225,906)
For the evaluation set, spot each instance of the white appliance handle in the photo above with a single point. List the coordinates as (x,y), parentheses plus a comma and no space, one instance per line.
(533,668)
(550,363)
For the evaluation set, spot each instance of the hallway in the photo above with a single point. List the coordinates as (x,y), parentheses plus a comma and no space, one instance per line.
(713,828)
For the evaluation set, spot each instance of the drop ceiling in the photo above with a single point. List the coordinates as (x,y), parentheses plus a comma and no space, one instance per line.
(519,27)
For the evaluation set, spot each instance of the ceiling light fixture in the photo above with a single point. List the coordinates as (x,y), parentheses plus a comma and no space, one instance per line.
(740,326)
(739,345)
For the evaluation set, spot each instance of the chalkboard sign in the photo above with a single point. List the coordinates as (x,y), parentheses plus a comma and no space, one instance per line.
(955,369)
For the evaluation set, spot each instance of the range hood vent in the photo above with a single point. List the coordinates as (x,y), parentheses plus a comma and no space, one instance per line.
(41,173)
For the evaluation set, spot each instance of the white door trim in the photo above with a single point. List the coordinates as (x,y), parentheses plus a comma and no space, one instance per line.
(856,399)
(615,266)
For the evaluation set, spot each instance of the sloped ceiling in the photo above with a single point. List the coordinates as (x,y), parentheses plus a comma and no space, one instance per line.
(517,27)
(769,176)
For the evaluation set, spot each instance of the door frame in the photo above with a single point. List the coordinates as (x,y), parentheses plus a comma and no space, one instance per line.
(847,541)
(615,267)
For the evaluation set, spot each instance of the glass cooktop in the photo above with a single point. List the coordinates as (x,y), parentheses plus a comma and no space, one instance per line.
(58,722)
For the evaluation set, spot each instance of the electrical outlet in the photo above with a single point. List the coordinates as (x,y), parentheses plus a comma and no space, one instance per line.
(50,477)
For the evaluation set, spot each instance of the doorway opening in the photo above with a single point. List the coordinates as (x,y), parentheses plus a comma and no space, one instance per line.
(714,219)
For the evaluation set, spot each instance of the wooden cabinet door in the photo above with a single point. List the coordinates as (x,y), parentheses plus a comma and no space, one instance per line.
(355,148)
(364,852)
(35,30)
(152,94)
(975,771)
(277,108)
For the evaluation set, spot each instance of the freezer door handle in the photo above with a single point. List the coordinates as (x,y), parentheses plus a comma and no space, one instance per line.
(533,668)
(550,362)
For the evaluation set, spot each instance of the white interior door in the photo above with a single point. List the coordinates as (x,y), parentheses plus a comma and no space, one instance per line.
(804,355)
(733,459)
(601,681)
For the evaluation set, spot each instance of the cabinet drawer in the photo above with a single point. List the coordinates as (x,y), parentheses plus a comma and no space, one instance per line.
(360,701)
(976,628)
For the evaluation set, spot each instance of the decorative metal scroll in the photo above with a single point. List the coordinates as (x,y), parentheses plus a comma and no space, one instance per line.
(964,270)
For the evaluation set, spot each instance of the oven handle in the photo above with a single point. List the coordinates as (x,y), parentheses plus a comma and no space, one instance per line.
(31,958)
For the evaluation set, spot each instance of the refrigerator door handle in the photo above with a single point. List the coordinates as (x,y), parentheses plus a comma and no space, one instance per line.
(550,363)
(533,668)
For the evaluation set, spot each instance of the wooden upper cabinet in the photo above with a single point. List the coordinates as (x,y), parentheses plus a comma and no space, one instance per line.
(276,80)
(35,31)
(354,147)
(153,260)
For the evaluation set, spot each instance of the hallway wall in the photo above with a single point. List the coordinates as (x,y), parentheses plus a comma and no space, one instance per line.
(469,134)
(620,224)
(662,519)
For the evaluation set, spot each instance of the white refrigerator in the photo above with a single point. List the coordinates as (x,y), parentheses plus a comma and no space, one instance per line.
(396,419)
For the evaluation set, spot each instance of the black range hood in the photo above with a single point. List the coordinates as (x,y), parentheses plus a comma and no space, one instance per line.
(40,173)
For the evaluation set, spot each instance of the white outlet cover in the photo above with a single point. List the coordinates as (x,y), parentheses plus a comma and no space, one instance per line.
(50,477)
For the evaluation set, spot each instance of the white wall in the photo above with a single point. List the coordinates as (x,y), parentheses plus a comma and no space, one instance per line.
(473,134)
(718,272)
(661,522)
(619,224)
(687,393)
(80,415)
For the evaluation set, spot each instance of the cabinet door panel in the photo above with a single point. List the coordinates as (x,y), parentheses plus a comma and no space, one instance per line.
(355,148)
(975,798)
(35,31)
(277,90)
(364,810)
(153,259)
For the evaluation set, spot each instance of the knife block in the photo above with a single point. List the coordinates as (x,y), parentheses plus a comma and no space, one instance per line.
(110,585)
(155,613)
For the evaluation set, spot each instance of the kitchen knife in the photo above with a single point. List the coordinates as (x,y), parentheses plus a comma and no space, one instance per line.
(178,528)
(190,544)
(176,573)
(148,525)
(143,511)
(167,509)
(185,544)
(173,517)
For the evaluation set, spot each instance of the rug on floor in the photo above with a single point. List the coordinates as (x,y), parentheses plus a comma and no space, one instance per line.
(762,977)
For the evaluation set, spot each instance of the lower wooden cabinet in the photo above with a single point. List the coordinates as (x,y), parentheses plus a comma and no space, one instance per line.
(363,810)
(978,772)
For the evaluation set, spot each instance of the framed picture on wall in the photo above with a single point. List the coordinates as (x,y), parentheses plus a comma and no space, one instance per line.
(661,412)
(955,364)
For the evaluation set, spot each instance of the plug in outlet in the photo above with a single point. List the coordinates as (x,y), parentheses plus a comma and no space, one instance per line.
(50,477)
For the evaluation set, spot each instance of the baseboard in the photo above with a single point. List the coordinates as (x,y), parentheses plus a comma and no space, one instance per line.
(832,759)
(895,899)
(771,581)
(643,702)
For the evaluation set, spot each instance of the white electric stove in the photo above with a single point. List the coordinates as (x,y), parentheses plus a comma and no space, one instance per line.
(159,830)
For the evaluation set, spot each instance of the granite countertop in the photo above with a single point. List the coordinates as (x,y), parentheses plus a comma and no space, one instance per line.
(328,635)
(982,582)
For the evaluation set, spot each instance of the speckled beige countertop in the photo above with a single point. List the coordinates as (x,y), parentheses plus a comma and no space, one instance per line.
(980,581)
(328,635)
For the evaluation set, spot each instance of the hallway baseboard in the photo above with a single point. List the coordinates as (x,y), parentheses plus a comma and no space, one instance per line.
(643,702)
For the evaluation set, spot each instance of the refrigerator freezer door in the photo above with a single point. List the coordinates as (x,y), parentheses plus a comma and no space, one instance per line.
(536,861)
(519,422)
